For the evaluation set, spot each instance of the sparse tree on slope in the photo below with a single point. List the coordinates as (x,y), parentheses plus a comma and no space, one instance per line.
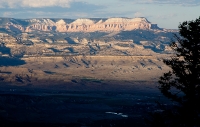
(182,84)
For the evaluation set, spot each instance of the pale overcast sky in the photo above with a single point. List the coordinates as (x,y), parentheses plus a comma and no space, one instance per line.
(165,13)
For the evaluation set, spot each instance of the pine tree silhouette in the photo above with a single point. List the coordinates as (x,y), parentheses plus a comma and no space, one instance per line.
(182,83)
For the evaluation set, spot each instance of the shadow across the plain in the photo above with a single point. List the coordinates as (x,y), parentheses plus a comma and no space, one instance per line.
(75,104)
(11,61)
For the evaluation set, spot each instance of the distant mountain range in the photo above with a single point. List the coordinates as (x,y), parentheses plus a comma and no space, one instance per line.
(78,25)
(96,36)
(70,50)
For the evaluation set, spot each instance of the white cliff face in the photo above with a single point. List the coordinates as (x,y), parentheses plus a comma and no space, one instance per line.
(42,21)
(88,25)
(61,26)
(40,24)
(61,22)
(83,22)
(110,25)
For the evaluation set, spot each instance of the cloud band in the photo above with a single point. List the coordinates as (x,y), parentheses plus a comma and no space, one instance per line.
(34,3)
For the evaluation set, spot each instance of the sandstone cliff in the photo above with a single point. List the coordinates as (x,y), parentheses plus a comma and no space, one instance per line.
(81,25)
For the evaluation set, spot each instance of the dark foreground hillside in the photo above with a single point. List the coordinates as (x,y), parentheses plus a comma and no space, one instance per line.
(108,104)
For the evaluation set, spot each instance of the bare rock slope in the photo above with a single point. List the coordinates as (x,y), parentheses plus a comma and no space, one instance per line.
(83,50)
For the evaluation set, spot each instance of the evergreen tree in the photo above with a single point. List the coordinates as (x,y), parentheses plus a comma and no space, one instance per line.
(182,83)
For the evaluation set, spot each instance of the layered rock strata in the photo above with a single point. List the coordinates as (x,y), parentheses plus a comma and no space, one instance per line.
(83,25)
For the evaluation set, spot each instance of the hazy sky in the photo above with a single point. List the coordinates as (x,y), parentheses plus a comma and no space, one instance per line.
(165,13)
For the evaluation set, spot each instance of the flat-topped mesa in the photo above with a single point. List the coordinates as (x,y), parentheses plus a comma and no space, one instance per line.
(109,25)
(87,25)
(80,25)
(126,20)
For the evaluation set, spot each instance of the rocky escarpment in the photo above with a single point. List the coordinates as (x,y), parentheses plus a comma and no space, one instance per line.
(79,25)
